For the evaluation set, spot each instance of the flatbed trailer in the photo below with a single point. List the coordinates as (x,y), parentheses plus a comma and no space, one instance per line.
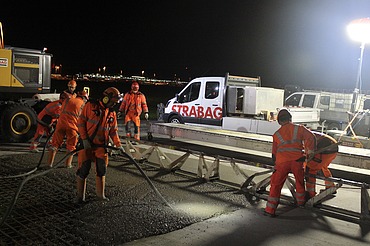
(259,143)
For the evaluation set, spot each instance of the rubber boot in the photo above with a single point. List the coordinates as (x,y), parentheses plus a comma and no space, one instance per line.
(51,158)
(81,189)
(69,161)
(100,188)
(33,147)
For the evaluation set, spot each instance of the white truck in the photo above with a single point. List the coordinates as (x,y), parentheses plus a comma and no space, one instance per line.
(233,103)
(335,107)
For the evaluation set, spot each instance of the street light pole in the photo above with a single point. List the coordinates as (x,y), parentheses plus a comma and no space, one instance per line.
(359,30)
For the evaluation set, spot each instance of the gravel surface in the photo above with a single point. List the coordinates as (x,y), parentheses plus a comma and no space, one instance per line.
(134,211)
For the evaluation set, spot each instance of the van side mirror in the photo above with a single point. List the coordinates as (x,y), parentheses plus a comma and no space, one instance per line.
(177,97)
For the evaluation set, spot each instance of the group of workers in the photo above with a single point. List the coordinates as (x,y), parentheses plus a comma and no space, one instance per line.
(295,148)
(299,151)
(94,122)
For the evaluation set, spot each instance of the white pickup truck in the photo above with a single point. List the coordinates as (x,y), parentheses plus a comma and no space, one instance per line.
(234,103)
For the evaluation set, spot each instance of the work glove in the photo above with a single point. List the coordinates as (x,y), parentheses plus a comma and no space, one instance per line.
(146,115)
(86,143)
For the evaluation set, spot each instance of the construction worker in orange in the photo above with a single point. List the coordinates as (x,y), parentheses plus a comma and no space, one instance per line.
(67,126)
(328,150)
(291,142)
(133,104)
(46,120)
(72,84)
(96,125)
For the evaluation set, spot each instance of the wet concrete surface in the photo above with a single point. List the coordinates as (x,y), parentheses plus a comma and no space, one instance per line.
(134,211)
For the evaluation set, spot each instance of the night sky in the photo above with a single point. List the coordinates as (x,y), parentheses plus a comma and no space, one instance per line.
(300,42)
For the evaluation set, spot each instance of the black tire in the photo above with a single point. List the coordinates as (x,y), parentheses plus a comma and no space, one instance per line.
(18,123)
(334,126)
(175,119)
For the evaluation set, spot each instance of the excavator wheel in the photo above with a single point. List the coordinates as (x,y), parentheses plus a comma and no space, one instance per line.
(18,123)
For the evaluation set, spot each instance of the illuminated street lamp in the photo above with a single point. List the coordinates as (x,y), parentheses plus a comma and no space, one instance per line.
(359,30)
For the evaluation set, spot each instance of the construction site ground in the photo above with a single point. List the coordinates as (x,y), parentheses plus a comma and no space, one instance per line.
(200,213)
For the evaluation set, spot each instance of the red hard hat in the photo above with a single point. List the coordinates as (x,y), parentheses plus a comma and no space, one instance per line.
(72,83)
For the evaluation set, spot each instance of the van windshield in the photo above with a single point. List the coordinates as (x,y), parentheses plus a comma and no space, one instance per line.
(293,100)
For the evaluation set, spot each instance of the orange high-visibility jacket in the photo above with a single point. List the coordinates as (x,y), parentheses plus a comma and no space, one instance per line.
(324,141)
(71,109)
(70,95)
(290,141)
(51,112)
(134,102)
(98,123)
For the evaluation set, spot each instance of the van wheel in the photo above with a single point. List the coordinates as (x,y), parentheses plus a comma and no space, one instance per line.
(334,126)
(175,119)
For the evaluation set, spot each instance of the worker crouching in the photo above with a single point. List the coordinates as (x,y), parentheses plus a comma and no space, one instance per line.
(290,144)
(96,124)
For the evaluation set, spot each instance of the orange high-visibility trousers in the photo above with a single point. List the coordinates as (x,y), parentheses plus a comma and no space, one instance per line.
(277,182)
(314,167)
(132,116)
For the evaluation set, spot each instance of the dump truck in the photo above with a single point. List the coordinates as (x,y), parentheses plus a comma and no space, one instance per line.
(236,103)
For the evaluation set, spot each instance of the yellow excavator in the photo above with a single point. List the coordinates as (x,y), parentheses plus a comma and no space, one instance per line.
(25,75)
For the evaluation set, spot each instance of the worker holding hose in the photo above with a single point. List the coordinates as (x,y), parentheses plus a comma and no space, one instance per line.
(46,120)
(321,161)
(67,127)
(96,125)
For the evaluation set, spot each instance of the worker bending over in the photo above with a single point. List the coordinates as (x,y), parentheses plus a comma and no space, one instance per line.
(96,124)
(46,120)
(133,104)
(290,143)
(328,150)
(67,127)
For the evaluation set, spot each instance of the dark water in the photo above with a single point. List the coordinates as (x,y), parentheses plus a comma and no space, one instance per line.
(155,94)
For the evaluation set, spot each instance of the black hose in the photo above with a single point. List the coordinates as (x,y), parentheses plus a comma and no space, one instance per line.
(35,168)
(142,173)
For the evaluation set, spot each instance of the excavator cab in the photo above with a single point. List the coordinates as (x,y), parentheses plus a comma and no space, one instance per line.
(23,73)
